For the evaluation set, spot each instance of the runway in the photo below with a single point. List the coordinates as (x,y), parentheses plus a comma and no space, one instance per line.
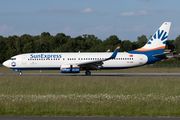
(92,74)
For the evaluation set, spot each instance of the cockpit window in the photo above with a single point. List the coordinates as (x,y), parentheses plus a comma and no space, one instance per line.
(13,59)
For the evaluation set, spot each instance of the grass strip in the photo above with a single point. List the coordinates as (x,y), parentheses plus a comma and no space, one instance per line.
(89,96)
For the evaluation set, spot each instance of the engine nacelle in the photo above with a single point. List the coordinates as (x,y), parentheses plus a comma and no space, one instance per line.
(70,69)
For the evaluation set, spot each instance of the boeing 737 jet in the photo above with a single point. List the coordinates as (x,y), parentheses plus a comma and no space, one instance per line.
(151,52)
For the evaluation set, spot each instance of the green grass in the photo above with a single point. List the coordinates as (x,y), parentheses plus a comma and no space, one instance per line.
(89,96)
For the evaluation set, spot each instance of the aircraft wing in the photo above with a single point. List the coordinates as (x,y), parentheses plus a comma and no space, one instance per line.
(98,63)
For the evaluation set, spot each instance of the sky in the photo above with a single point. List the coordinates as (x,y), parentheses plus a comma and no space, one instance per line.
(126,19)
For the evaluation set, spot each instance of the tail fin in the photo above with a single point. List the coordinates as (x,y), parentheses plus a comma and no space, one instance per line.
(157,43)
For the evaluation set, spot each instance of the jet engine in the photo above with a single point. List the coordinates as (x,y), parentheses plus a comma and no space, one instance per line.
(70,69)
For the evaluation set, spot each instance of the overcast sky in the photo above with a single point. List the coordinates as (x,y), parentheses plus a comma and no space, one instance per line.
(127,19)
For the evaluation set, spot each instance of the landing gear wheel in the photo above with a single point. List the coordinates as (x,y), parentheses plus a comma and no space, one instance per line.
(20,73)
(88,72)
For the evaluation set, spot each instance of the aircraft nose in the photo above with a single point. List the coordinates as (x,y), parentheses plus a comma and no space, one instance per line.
(6,63)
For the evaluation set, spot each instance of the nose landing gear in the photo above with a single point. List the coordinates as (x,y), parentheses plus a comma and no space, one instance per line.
(18,70)
(20,73)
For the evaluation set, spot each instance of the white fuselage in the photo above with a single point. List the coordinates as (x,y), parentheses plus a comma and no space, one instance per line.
(56,60)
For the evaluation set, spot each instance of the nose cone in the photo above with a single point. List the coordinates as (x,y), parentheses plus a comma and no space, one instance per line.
(6,63)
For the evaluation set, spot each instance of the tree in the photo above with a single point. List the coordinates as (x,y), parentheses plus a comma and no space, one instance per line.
(27,43)
(177,44)
(170,45)
(112,40)
(36,44)
(135,45)
(126,45)
(57,41)
(45,34)
(45,41)
(28,47)
(141,41)
(3,49)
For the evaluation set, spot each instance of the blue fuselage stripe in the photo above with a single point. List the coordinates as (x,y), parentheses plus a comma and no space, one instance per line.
(150,54)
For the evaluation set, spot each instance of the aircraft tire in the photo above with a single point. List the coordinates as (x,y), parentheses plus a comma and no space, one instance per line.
(88,72)
(20,73)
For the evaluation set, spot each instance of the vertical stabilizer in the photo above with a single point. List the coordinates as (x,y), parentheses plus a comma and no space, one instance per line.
(158,41)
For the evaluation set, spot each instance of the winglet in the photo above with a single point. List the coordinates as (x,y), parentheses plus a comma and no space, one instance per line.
(108,50)
(115,53)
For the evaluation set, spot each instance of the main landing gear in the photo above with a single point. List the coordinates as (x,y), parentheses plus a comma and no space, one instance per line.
(88,72)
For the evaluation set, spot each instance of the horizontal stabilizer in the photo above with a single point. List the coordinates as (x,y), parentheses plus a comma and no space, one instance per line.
(161,55)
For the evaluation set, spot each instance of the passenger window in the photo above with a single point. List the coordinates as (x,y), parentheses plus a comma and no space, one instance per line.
(13,59)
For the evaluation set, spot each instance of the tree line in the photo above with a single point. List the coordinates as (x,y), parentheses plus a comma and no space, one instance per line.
(13,45)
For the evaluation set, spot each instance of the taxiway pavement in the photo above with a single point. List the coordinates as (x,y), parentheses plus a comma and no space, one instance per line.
(92,74)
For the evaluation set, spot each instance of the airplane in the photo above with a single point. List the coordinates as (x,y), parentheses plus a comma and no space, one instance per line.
(108,51)
(70,62)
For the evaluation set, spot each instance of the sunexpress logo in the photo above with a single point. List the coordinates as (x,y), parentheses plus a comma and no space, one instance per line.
(158,35)
(48,56)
